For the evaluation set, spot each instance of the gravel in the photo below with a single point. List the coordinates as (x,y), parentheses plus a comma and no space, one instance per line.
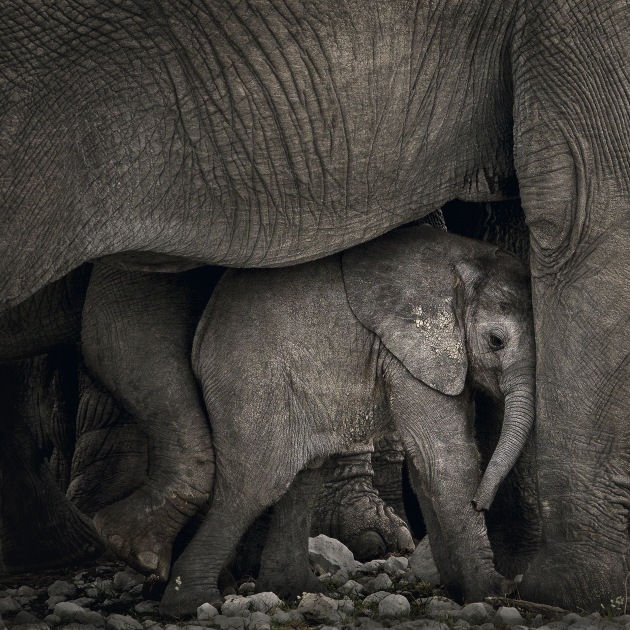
(384,593)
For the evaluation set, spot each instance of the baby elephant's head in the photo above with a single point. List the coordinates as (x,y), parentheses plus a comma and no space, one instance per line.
(453,310)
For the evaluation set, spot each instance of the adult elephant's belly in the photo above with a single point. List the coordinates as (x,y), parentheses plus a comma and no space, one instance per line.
(241,135)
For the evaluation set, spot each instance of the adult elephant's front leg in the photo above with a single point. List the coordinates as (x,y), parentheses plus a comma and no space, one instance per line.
(573,161)
(137,336)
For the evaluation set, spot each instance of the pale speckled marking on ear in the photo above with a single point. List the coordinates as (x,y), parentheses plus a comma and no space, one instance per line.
(441,328)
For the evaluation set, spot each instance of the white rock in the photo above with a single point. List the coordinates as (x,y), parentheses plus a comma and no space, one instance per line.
(375,598)
(330,554)
(476,613)
(238,623)
(395,563)
(381,582)
(122,622)
(235,606)
(279,616)
(422,564)
(394,606)
(264,602)
(68,611)
(352,588)
(508,616)
(247,588)
(259,621)
(63,589)
(438,607)
(206,612)
(319,608)
(373,566)
(339,578)
(345,606)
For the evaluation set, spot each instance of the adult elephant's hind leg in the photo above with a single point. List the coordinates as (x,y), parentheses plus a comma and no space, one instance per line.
(284,566)
(137,336)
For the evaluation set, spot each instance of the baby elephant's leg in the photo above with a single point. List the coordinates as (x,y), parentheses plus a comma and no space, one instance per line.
(241,493)
(284,567)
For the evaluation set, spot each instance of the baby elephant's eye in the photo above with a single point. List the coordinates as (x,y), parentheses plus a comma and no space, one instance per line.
(495,342)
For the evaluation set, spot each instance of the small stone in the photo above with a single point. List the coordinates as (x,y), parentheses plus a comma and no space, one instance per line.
(146,607)
(422,564)
(193,627)
(319,608)
(394,606)
(37,625)
(438,607)
(461,624)
(351,588)
(52,620)
(125,581)
(206,612)
(508,616)
(345,607)
(63,589)
(395,563)
(122,622)
(247,588)
(339,578)
(264,602)
(8,604)
(235,606)
(280,617)
(24,617)
(238,623)
(375,598)
(68,611)
(26,591)
(84,602)
(51,602)
(92,592)
(380,583)
(475,613)
(330,554)
(373,566)
(572,618)
(259,621)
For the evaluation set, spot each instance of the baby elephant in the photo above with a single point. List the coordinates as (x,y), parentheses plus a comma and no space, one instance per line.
(297,364)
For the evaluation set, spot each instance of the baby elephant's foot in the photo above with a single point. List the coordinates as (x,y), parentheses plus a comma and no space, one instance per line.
(181,599)
(141,528)
(353,512)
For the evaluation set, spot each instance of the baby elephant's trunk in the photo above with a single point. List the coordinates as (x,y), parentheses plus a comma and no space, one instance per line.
(518,389)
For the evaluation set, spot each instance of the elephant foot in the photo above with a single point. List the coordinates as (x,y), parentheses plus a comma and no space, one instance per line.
(182,600)
(352,511)
(141,528)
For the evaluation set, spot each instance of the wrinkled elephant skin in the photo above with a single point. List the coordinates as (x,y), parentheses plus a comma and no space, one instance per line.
(261,133)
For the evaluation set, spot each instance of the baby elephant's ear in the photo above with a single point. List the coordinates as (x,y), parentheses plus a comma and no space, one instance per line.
(405,292)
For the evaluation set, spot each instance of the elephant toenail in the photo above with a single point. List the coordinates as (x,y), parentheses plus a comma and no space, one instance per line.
(149,560)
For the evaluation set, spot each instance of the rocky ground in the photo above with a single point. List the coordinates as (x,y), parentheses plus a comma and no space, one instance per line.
(396,592)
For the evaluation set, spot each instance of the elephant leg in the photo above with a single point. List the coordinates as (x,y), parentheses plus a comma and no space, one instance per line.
(241,493)
(351,510)
(388,460)
(137,336)
(285,567)
(110,458)
(39,527)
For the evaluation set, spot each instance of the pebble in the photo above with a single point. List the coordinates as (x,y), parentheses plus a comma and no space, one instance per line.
(394,606)
(63,589)
(330,554)
(422,564)
(122,622)
(117,591)
(508,616)
(264,602)
(380,583)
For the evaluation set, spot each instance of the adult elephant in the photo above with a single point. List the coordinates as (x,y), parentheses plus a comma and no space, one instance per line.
(262,133)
